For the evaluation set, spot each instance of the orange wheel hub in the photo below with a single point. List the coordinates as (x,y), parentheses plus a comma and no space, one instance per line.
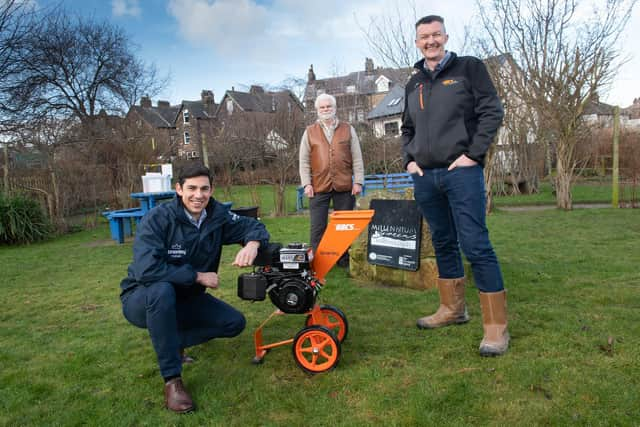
(316,349)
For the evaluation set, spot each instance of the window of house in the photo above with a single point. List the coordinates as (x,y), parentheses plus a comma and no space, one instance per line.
(229,106)
(351,89)
(187,138)
(350,116)
(360,116)
(185,117)
(319,92)
(382,84)
(391,128)
(273,104)
(394,101)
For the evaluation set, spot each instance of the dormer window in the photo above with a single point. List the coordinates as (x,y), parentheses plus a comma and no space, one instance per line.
(187,138)
(229,106)
(382,84)
(185,117)
(351,89)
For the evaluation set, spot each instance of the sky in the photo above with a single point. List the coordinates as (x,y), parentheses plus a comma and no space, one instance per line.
(223,44)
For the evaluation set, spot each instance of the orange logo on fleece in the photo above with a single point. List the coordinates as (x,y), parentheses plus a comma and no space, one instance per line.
(449,82)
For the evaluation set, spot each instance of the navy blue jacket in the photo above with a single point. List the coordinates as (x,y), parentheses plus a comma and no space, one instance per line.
(169,248)
(456,111)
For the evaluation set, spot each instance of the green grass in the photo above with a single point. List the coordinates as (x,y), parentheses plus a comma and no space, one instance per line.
(582,192)
(240,196)
(68,357)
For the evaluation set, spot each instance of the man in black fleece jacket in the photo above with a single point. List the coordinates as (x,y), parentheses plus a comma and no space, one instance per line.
(451,115)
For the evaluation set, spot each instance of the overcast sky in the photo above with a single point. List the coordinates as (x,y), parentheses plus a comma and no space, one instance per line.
(220,44)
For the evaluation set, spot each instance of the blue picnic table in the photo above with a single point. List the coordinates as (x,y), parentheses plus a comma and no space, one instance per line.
(150,200)
(121,221)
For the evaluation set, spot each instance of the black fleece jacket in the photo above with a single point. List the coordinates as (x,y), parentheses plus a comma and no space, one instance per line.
(449,113)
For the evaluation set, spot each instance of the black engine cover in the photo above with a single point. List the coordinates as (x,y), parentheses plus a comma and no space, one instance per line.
(293,295)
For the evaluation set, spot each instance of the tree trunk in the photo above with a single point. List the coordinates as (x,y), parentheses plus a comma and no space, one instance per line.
(57,212)
(563,186)
(5,175)
(615,173)
(279,194)
(488,181)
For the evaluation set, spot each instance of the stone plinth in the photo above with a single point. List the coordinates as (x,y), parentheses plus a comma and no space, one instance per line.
(424,278)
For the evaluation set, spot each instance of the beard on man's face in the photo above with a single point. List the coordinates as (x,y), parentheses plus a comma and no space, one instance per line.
(327,115)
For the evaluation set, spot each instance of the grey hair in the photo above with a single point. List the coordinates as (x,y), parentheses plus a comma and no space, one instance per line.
(325,96)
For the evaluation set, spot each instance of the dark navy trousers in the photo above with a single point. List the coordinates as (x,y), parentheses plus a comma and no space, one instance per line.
(319,211)
(453,203)
(177,321)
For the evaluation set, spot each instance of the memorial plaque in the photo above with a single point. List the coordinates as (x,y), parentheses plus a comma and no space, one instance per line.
(394,234)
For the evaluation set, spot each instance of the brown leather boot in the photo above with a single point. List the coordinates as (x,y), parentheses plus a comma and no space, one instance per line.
(176,396)
(494,321)
(452,308)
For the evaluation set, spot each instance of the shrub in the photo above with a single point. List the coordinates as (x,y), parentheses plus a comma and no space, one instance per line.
(22,220)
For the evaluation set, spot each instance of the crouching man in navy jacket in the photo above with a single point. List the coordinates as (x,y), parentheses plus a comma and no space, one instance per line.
(176,254)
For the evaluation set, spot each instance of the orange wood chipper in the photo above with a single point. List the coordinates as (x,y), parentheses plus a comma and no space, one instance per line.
(293,276)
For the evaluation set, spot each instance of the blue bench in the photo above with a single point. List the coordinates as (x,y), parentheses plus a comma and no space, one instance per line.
(120,222)
(397,182)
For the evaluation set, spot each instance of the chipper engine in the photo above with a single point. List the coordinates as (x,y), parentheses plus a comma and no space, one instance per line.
(293,276)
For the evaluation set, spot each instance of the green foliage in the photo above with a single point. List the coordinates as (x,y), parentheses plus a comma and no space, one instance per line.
(22,220)
(68,357)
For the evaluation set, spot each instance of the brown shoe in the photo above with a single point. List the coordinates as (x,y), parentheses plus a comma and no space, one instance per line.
(176,397)
(452,310)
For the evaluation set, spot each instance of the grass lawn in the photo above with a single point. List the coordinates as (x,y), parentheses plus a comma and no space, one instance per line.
(582,192)
(68,357)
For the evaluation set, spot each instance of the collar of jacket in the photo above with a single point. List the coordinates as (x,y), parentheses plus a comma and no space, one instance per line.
(419,66)
(214,210)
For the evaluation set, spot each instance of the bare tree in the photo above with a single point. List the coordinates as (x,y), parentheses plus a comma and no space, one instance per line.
(283,144)
(515,158)
(16,23)
(76,67)
(391,35)
(565,61)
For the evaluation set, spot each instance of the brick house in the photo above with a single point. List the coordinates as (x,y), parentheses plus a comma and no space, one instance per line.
(257,115)
(356,93)
(174,131)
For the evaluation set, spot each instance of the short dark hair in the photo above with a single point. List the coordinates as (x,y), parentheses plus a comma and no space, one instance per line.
(429,19)
(193,169)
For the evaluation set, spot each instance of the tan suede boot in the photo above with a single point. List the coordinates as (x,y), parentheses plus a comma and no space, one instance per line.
(452,308)
(494,321)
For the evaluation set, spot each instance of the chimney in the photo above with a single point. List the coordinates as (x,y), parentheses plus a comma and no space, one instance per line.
(255,89)
(368,65)
(207,101)
(163,104)
(145,101)
(311,76)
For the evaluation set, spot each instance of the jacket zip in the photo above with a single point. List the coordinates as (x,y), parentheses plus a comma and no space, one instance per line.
(421,100)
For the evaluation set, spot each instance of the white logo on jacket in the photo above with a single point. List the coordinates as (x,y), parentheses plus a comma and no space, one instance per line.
(176,251)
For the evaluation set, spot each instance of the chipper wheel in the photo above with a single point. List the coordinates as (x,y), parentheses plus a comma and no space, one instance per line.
(334,320)
(316,349)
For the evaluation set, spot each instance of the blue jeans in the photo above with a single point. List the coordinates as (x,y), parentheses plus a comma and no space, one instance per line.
(176,322)
(453,203)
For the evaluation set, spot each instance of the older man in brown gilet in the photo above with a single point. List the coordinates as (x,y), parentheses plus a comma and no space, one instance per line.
(331,167)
